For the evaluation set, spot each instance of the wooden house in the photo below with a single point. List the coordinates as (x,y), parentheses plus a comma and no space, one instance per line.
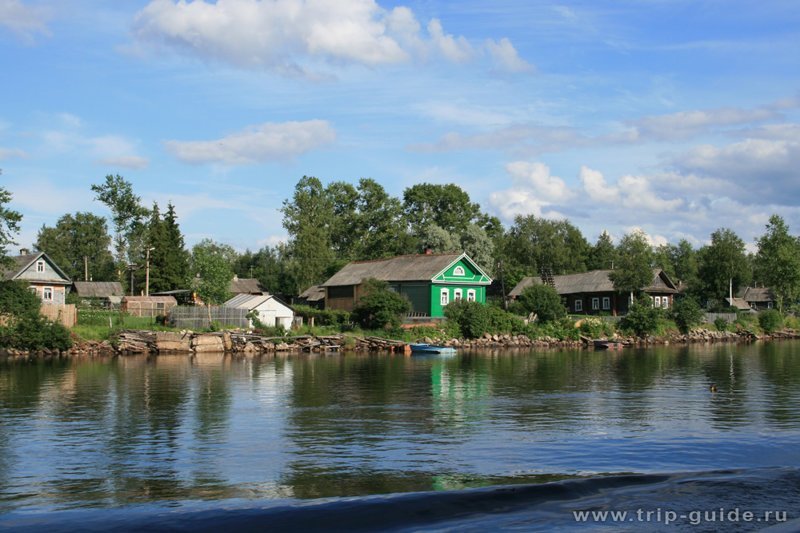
(271,311)
(102,293)
(758,298)
(42,276)
(313,296)
(245,286)
(593,292)
(429,281)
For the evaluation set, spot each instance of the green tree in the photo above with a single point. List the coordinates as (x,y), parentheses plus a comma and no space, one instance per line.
(439,240)
(381,228)
(544,301)
(684,260)
(687,313)
(642,318)
(380,307)
(22,326)
(169,260)
(722,264)
(603,254)
(128,217)
(270,266)
(213,273)
(477,243)
(309,218)
(777,262)
(78,243)
(447,206)
(9,224)
(540,245)
(634,269)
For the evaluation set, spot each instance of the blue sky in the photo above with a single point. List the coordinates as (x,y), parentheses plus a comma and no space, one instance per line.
(676,117)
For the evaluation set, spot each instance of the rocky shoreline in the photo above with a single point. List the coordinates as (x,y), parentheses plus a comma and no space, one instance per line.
(131,342)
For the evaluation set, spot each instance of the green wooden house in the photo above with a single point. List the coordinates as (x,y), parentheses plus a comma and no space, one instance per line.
(429,281)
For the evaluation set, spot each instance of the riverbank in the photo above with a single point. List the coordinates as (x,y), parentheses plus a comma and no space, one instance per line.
(132,342)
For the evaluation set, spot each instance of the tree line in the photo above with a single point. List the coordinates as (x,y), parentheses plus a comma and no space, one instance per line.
(331,225)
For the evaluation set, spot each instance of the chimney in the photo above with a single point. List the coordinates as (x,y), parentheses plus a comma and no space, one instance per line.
(24,251)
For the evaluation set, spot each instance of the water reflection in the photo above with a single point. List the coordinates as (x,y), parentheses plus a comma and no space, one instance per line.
(116,431)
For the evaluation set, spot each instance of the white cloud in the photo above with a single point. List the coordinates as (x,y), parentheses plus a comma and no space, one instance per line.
(596,187)
(291,36)
(520,139)
(114,150)
(687,124)
(25,21)
(505,56)
(638,193)
(462,113)
(8,153)
(534,191)
(266,142)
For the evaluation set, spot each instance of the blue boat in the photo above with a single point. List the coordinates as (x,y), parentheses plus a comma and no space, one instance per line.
(431,348)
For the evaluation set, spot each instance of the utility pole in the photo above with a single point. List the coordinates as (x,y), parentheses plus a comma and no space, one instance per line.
(147,273)
(85,268)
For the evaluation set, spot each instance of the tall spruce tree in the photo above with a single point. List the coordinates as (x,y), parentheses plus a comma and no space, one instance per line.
(169,260)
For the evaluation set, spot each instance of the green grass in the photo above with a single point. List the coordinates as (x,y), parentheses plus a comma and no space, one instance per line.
(98,325)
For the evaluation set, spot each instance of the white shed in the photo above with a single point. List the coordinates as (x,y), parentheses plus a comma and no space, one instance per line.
(271,311)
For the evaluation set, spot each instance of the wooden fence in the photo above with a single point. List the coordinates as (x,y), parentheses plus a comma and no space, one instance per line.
(196,317)
(64,313)
(711,317)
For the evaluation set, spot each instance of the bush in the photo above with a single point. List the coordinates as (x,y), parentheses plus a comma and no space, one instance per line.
(770,320)
(380,307)
(721,324)
(687,313)
(642,318)
(17,300)
(323,317)
(596,328)
(35,333)
(472,318)
(544,301)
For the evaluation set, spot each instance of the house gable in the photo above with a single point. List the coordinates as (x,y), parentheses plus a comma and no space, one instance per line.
(39,268)
(462,270)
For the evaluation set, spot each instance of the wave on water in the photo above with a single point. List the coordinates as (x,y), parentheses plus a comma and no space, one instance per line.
(696,501)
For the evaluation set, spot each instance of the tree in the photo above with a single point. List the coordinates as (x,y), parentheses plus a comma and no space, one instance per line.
(777,262)
(545,245)
(722,265)
(270,266)
(439,240)
(544,301)
(309,218)
(169,260)
(684,260)
(642,318)
(213,273)
(603,254)
(475,241)
(634,264)
(447,206)
(79,244)
(128,216)
(380,307)
(9,223)
(687,313)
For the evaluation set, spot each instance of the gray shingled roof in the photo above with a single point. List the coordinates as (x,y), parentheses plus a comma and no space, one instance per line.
(98,289)
(592,281)
(245,286)
(758,295)
(20,262)
(314,293)
(738,303)
(400,268)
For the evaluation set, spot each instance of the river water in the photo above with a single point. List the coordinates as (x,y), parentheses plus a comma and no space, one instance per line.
(505,439)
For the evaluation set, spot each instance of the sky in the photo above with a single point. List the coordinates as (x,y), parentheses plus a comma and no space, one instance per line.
(677,117)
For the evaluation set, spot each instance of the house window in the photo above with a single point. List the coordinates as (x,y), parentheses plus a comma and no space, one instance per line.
(39,266)
(595,304)
(470,295)
(665,302)
(457,295)
(606,302)
(444,297)
(657,301)
(33,290)
(578,305)
(47,295)
(458,271)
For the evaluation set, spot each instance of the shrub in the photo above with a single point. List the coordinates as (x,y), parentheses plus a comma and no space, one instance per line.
(17,300)
(472,318)
(721,324)
(595,328)
(642,318)
(544,301)
(35,333)
(687,313)
(380,307)
(323,317)
(770,320)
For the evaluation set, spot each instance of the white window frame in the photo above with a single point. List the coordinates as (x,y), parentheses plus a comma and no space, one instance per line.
(606,303)
(595,304)
(579,305)
(45,292)
(458,294)
(657,301)
(444,297)
(471,296)
(33,289)
(40,266)
(665,302)
(459,271)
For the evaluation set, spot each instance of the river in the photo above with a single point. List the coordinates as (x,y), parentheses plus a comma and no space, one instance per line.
(500,439)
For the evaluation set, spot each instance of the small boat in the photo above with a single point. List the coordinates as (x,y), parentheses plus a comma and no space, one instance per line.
(431,348)
(605,344)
